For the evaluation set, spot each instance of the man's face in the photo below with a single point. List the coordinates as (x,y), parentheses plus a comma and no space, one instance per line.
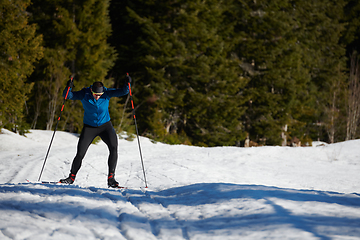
(96,95)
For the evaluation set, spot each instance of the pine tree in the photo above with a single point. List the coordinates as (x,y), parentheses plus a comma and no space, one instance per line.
(20,47)
(326,61)
(283,48)
(273,60)
(60,34)
(287,51)
(94,56)
(351,18)
(351,39)
(75,44)
(192,84)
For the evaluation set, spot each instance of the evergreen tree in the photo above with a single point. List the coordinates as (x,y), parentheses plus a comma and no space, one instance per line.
(283,49)
(75,44)
(56,23)
(128,38)
(191,83)
(94,55)
(351,39)
(351,18)
(320,37)
(20,47)
(273,60)
(288,50)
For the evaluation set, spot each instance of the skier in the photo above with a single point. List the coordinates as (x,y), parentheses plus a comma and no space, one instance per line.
(95,100)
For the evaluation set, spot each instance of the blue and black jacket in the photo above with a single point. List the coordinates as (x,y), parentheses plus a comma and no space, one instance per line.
(96,112)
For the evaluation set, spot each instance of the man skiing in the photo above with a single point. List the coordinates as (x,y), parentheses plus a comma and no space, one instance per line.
(95,100)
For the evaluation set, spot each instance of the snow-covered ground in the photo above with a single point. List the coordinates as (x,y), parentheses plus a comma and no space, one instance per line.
(193,192)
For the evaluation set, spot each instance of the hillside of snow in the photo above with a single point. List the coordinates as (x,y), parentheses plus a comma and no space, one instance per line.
(193,192)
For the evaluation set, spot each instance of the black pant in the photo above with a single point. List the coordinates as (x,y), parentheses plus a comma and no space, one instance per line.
(88,133)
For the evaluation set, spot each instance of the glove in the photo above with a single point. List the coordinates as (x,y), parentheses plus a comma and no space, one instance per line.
(70,84)
(128,79)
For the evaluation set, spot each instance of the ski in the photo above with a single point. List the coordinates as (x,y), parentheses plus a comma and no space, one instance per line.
(118,187)
(143,189)
(49,182)
(53,182)
(44,182)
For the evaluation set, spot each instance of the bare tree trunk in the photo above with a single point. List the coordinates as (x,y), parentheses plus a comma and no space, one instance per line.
(283,135)
(36,114)
(51,111)
(38,99)
(54,89)
(123,113)
(331,130)
(333,110)
(353,98)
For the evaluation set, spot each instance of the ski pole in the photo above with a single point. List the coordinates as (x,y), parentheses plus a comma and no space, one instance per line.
(137,132)
(62,108)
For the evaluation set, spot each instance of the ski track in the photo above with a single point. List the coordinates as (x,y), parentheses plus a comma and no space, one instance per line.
(195,203)
(163,223)
(115,198)
(138,199)
(25,167)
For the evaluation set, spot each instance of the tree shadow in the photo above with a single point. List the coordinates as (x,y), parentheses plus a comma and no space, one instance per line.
(203,209)
(319,214)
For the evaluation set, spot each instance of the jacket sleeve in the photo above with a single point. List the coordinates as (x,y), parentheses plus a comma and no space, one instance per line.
(117,92)
(74,95)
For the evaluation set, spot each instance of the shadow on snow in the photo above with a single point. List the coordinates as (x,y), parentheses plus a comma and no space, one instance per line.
(207,207)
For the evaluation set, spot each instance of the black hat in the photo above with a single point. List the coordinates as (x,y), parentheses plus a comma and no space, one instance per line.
(98,87)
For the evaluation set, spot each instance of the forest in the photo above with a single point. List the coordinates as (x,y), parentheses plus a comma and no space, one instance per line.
(205,72)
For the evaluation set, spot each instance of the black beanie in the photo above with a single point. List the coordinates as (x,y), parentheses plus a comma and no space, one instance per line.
(97,87)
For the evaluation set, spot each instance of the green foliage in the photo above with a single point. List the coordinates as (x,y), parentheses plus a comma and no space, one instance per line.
(75,44)
(351,35)
(215,69)
(189,80)
(204,72)
(20,48)
(290,50)
(327,65)
(96,140)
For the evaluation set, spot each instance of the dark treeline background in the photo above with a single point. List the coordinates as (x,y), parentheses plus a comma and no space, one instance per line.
(205,72)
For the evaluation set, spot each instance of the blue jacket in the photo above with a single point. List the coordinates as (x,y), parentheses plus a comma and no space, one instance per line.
(96,112)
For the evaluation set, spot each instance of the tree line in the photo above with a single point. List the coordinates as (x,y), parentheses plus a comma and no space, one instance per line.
(205,73)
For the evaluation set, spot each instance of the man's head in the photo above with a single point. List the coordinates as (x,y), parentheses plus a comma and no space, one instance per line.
(97,89)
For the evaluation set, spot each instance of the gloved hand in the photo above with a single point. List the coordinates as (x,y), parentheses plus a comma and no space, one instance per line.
(70,84)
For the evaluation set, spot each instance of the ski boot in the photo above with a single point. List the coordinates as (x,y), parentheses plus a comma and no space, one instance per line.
(69,180)
(112,182)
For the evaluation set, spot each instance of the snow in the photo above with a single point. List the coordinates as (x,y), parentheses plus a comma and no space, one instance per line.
(193,192)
